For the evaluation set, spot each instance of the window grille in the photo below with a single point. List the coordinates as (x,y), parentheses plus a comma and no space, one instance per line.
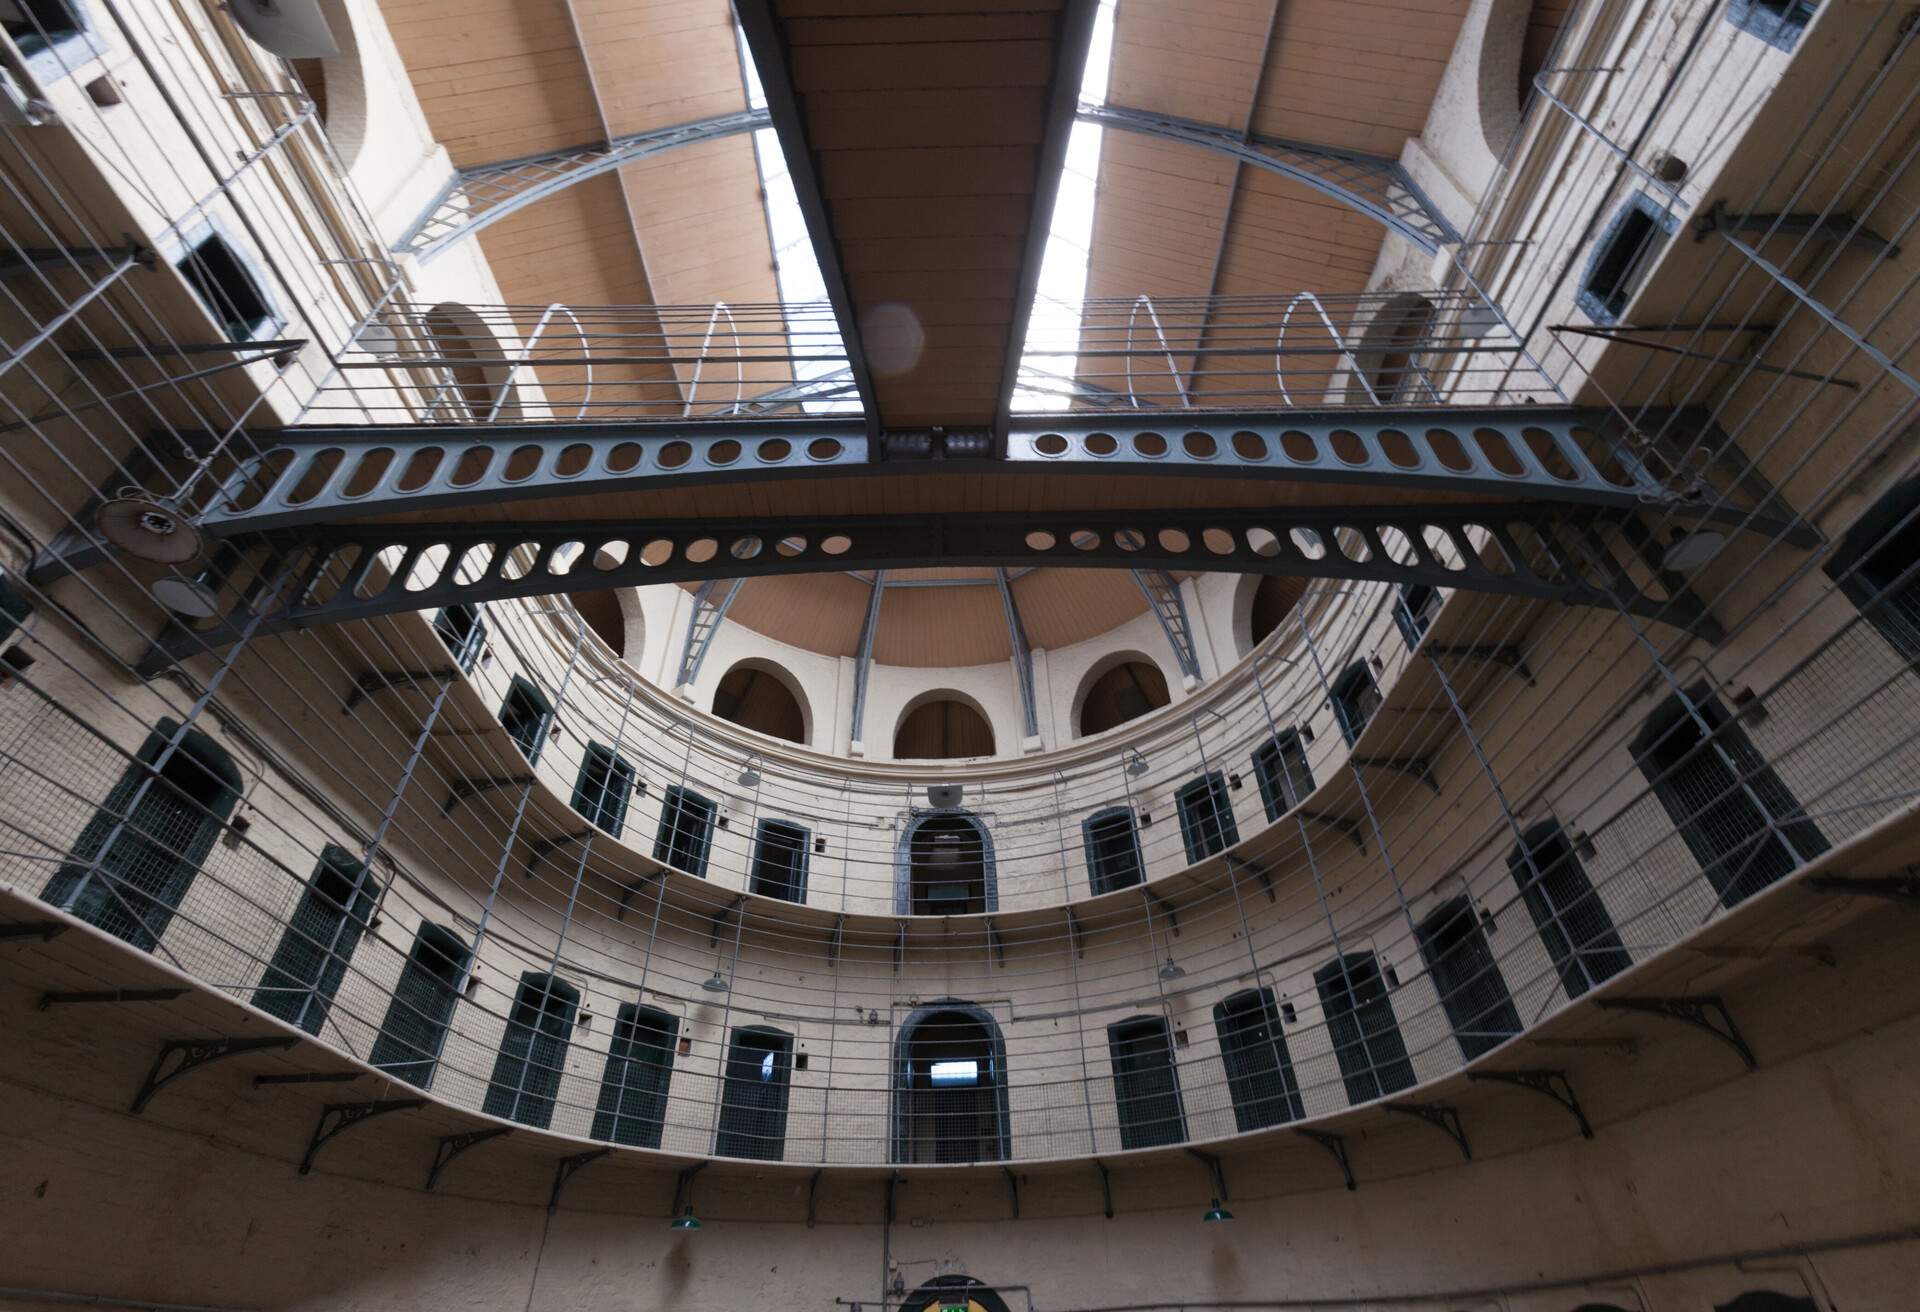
(528,716)
(1414,606)
(633,1091)
(1777,22)
(1280,768)
(1878,568)
(526,1075)
(1112,841)
(1355,699)
(129,878)
(753,1102)
(686,831)
(950,862)
(1572,920)
(1622,257)
(415,1027)
(1146,1088)
(1260,1075)
(780,860)
(311,961)
(1472,991)
(950,1087)
(463,631)
(603,788)
(227,287)
(1366,1037)
(1206,816)
(1734,813)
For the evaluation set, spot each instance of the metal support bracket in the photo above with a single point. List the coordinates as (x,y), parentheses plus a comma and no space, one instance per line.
(345,1115)
(813,1196)
(379,681)
(1551,1084)
(1501,654)
(1165,909)
(1074,936)
(1259,872)
(542,848)
(1351,828)
(1843,228)
(1694,1012)
(111,995)
(683,1185)
(306,1077)
(1417,766)
(628,889)
(44,930)
(1013,1189)
(1901,888)
(1337,1145)
(195,1053)
(1440,1116)
(720,919)
(1214,1169)
(996,944)
(463,789)
(835,943)
(1106,1186)
(564,1172)
(452,1145)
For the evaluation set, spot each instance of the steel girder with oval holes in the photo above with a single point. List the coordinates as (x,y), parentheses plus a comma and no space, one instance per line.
(315,476)
(1585,556)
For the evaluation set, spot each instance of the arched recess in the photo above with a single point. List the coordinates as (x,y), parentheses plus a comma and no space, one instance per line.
(950,1086)
(1261,604)
(757,694)
(945,866)
(604,614)
(337,85)
(943,725)
(1120,687)
(459,340)
(954,1291)
(1388,358)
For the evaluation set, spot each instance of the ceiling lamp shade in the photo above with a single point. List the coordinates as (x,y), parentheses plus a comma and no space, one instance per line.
(715,982)
(1215,1213)
(686,1220)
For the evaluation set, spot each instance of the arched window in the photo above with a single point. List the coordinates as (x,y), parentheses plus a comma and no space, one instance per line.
(1355,699)
(526,1075)
(135,860)
(1206,816)
(1146,1088)
(1572,920)
(604,786)
(1366,1037)
(527,715)
(415,1027)
(944,729)
(1126,692)
(1259,1069)
(1735,814)
(953,1291)
(686,830)
(1112,841)
(1454,945)
(753,697)
(950,1086)
(1280,768)
(633,1091)
(1877,566)
(947,866)
(753,1103)
(780,860)
(1274,598)
(311,960)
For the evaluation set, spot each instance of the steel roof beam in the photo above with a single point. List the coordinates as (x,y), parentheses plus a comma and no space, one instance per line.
(329,576)
(1162,592)
(1022,654)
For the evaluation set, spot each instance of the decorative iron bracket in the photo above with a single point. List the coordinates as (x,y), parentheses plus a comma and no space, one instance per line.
(720,919)
(813,1196)
(1214,1169)
(1900,888)
(379,681)
(564,1171)
(1440,1116)
(1106,1185)
(1013,1190)
(452,1145)
(1549,1083)
(1351,828)
(1694,1012)
(1417,766)
(195,1053)
(1337,1145)
(463,789)
(542,848)
(345,1115)
(111,995)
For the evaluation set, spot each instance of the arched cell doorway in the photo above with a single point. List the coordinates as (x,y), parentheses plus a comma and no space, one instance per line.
(942,728)
(1125,691)
(945,866)
(758,695)
(950,1086)
(954,1291)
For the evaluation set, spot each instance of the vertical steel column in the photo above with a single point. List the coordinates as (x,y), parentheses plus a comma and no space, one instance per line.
(864,658)
(1022,654)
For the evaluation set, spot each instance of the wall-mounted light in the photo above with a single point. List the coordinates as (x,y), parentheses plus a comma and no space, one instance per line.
(686,1220)
(715,983)
(748,776)
(1216,1213)
(1172,970)
(1136,763)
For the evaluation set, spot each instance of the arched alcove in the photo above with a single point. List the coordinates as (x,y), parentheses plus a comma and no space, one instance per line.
(461,342)
(1124,687)
(950,1086)
(602,612)
(954,1291)
(759,695)
(1389,357)
(942,726)
(337,85)
(1261,605)
(945,866)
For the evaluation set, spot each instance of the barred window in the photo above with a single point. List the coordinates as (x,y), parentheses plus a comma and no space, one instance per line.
(463,631)
(1472,991)
(780,860)
(1206,816)
(1111,838)
(603,788)
(753,1099)
(311,961)
(1355,699)
(415,1028)
(685,835)
(528,717)
(1366,1037)
(1260,1075)
(1280,768)
(221,277)
(950,1087)
(1146,1088)
(526,1075)
(1572,920)
(633,1091)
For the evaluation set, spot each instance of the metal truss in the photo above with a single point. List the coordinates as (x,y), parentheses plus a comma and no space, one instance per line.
(1372,184)
(478,197)
(1563,455)
(1022,655)
(863,658)
(702,624)
(1162,591)
(1574,555)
